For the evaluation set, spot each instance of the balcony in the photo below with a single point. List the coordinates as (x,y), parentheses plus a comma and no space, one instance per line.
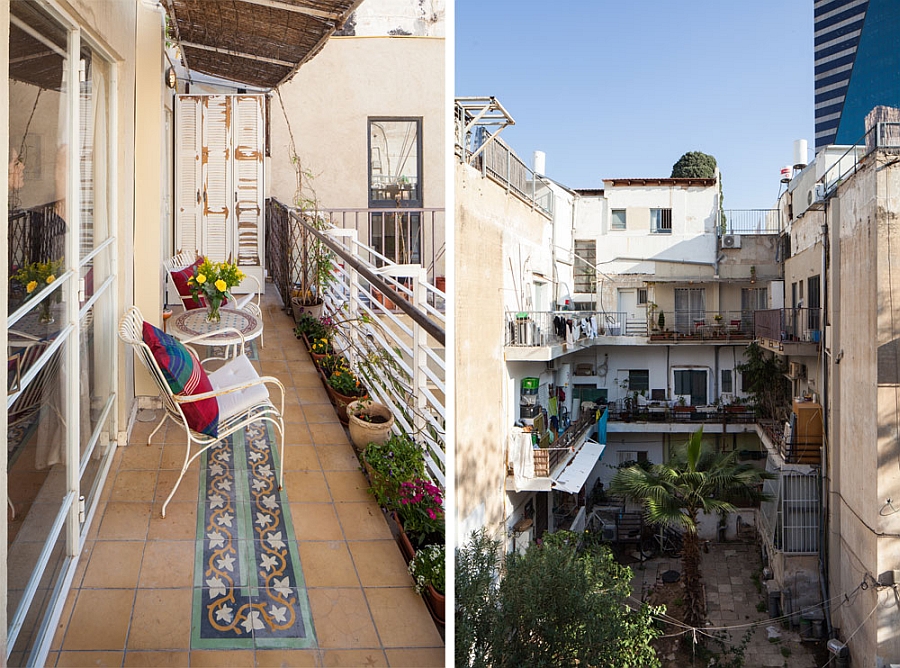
(794,331)
(625,410)
(751,221)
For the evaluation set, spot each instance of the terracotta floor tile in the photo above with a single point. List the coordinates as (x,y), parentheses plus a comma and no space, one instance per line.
(379,563)
(354,658)
(173,453)
(113,564)
(125,521)
(319,413)
(297,434)
(315,521)
(308,486)
(287,658)
(313,395)
(327,564)
(432,657)
(139,456)
(329,434)
(99,620)
(80,659)
(347,485)
(301,458)
(161,619)
(337,458)
(273,367)
(362,521)
(148,659)
(294,415)
(134,485)
(342,619)
(305,379)
(167,564)
(83,561)
(402,618)
(63,624)
(207,658)
(187,489)
(180,522)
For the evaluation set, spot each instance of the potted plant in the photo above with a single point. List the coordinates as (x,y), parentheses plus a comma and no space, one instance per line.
(343,386)
(36,276)
(399,459)
(369,422)
(420,514)
(427,569)
(316,261)
(310,328)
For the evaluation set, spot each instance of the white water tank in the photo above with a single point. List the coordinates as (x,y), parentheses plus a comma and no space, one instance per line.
(540,162)
(800,153)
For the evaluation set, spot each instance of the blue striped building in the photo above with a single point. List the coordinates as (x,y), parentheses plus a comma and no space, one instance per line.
(857,65)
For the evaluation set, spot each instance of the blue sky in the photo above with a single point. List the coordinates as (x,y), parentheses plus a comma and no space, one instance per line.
(623,89)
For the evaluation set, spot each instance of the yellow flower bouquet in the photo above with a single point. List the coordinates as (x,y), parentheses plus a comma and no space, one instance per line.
(36,276)
(212,283)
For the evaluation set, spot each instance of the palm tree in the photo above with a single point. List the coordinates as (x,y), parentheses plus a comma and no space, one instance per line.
(697,479)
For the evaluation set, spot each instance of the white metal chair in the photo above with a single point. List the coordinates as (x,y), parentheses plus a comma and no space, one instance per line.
(241,393)
(250,302)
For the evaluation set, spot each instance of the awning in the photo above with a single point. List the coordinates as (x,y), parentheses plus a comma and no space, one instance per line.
(261,43)
(572,478)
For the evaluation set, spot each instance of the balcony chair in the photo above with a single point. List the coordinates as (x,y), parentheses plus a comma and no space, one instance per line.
(208,407)
(180,267)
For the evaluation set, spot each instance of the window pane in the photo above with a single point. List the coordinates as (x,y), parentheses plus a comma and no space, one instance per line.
(585,259)
(727,384)
(639,380)
(394,158)
(661,221)
(617,220)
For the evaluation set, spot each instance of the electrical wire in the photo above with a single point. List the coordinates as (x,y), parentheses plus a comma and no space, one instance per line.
(861,624)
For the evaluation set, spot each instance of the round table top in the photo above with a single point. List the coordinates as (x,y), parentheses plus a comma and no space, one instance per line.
(194,323)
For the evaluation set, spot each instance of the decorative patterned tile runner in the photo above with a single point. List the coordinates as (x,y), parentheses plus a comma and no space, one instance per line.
(249,589)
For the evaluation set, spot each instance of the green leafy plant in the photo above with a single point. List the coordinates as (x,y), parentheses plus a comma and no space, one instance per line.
(37,275)
(695,164)
(311,326)
(556,605)
(343,381)
(397,460)
(662,320)
(420,506)
(321,346)
(428,568)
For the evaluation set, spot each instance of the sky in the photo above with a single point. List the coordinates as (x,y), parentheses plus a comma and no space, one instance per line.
(613,89)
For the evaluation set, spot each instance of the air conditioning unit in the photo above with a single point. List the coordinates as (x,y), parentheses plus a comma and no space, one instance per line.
(731,241)
(815,194)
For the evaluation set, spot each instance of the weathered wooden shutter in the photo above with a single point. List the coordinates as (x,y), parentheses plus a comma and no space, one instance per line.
(217,200)
(219,176)
(188,181)
(249,138)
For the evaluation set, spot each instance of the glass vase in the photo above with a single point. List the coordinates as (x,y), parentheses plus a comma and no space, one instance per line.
(46,317)
(212,310)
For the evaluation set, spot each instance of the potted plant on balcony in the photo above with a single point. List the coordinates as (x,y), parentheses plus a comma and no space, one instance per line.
(369,422)
(399,459)
(315,271)
(343,387)
(427,569)
(419,513)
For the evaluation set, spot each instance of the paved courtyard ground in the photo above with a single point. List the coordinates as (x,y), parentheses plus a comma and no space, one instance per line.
(732,598)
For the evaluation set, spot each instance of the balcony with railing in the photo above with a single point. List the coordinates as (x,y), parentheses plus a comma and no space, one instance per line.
(751,221)
(795,331)
(390,321)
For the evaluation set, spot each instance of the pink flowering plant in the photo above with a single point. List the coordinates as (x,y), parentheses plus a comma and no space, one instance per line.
(420,506)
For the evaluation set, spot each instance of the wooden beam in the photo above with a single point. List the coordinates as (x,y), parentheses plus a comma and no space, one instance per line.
(238,54)
(297,9)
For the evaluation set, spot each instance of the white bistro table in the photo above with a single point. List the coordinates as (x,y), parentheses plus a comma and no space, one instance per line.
(194,323)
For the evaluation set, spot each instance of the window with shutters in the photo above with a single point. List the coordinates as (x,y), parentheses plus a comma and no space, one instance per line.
(585,259)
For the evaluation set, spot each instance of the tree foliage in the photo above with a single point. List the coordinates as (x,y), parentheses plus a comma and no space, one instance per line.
(696,165)
(764,381)
(556,605)
(696,479)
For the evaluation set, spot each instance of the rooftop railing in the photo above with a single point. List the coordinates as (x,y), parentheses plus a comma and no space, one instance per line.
(751,221)
(883,135)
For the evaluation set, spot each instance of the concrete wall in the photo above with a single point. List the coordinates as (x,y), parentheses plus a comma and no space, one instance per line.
(422,18)
(491,228)
(862,466)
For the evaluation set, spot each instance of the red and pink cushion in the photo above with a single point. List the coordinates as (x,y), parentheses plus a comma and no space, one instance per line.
(186,377)
(180,279)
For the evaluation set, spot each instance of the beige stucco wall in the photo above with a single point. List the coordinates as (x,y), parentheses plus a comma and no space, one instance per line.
(490,225)
(329,103)
(863,465)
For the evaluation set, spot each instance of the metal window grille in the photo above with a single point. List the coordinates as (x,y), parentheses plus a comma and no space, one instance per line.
(661,221)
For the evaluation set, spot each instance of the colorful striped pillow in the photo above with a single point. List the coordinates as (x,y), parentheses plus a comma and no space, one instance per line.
(180,279)
(186,377)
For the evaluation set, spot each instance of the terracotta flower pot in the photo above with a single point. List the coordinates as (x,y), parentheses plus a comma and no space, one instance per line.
(363,432)
(340,402)
(406,546)
(436,603)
